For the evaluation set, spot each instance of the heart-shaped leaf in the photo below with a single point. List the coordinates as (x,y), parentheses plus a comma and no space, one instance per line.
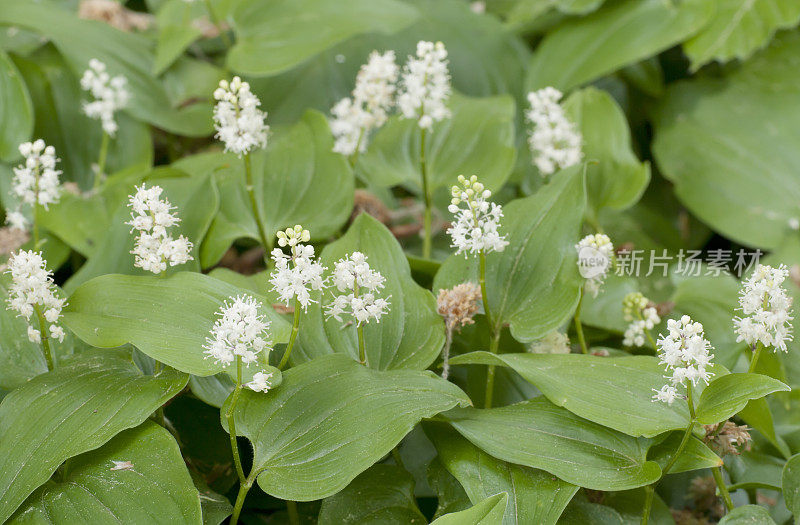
(746,515)
(533,285)
(538,434)
(137,477)
(729,394)
(331,419)
(166,318)
(487,512)
(409,336)
(16,109)
(534,496)
(73,409)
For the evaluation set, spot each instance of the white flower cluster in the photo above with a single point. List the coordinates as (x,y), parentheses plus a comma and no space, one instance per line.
(475,227)
(151,217)
(238,120)
(686,352)
(425,85)
(595,258)
(352,274)
(554,141)
(32,290)
(261,382)
(373,97)
(297,274)
(766,308)
(36,181)
(640,316)
(110,95)
(239,331)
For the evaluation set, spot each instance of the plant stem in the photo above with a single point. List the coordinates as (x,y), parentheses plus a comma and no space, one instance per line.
(362,352)
(648,502)
(35,226)
(244,488)
(493,344)
(295,329)
(426,223)
(756,355)
(482,281)
(448,341)
(723,489)
(291,508)
(214,20)
(101,160)
(579,326)
(232,423)
(48,352)
(248,172)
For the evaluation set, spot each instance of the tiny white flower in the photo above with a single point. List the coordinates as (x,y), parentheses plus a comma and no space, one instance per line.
(296,275)
(239,331)
(32,290)
(35,181)
(641,317)
(425,85)
(595,258)
(155,249)
(110,94)
(686,354)
(17,220)
(237,118)
(554,141)
(260,382)
(358,285)
(476,225)
(766,308)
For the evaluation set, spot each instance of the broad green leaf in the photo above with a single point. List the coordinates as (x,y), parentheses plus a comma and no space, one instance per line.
(409,336)
(137,477)
(215,507)
(176,31)
(381,494)
(297,180)
(740,28)
(168,318)
(754,469)
(614,176)
(533,285)
(581,512)
(758,415)
(124,53)
(748,515)
(629,505)
(619,34)
(616,392)
(734,164)
(331,419)
(275,37)
(195,199)
(790,481)
(534,496)
(695,456)
(213,390)
(477,140)
(729,394)
(16,109)
(450,495)
(538,434)
(487,512)
(71,410)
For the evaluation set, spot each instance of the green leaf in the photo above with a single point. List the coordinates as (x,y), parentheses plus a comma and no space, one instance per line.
(538,434)
(710,145)
(450,495)
(791,484)
(331,419)
(16,109)
(71,410)
(616,392)
(280,35)
(215,507)
(213,390)
(487,512)
(166,318)
(729,394)
(619,34)
(478,139)
(176,31)
(738,29)
(381,494)
(534,495)
(297,180)
(410,335)
(695,456)
(137,477)
(614,176)
(748,515)
(195,199)
(533,285)
(124,53)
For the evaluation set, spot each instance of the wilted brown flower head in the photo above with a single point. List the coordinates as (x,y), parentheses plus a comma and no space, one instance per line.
(728,439)
(459,304)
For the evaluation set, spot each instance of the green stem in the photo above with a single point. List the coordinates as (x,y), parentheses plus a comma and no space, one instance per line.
(648,502)
(493,344)
(723,489)
(101,160)
(232,423)
(579,326)
(248,171)
(294,516)
(293,336)
(214,20)
(362,352)
(426,223)
(35,226)
(482,281)
(354,157)
(756,355)
(48,352)
(244,488)
(646,331)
